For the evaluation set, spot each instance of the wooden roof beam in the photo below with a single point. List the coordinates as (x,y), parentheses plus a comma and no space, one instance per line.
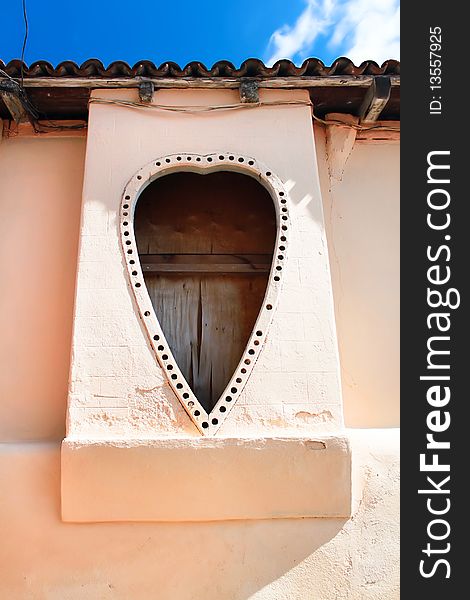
(375,99)
(205,82)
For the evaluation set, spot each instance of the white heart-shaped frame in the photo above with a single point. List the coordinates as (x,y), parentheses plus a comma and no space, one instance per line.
(207,423)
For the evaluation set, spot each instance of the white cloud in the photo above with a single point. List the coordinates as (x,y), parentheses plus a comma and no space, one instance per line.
(373,28)
(359,29)
(290,41)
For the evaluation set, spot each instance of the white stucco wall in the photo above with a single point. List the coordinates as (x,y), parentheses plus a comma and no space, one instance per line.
(110,370)
(362,213)
(42,558)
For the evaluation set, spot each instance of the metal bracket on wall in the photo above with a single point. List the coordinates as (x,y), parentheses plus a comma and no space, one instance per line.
(11,94)
(146,91)
(249,91)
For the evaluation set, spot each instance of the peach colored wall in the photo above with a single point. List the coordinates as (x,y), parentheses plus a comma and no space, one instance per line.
(362,214)
(34,407)
(42,558)
(40,197)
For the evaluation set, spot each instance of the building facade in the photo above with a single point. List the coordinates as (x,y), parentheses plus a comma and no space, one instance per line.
(200,331)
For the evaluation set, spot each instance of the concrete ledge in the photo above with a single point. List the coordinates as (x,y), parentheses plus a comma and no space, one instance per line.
(205,479)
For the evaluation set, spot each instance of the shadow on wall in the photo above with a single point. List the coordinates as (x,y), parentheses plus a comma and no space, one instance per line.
(181,561)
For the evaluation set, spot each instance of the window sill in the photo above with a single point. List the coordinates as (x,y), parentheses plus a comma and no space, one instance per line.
(205,479)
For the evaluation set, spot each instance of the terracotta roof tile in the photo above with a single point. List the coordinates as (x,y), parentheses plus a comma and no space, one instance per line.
(251,67)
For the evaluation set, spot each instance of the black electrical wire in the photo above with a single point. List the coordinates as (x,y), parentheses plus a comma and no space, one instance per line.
(31,109)
(25,38)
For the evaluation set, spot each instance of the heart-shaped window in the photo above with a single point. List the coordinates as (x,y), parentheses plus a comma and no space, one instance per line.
(205,250)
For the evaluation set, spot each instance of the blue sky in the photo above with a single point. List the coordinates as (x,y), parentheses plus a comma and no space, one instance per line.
(206,31)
